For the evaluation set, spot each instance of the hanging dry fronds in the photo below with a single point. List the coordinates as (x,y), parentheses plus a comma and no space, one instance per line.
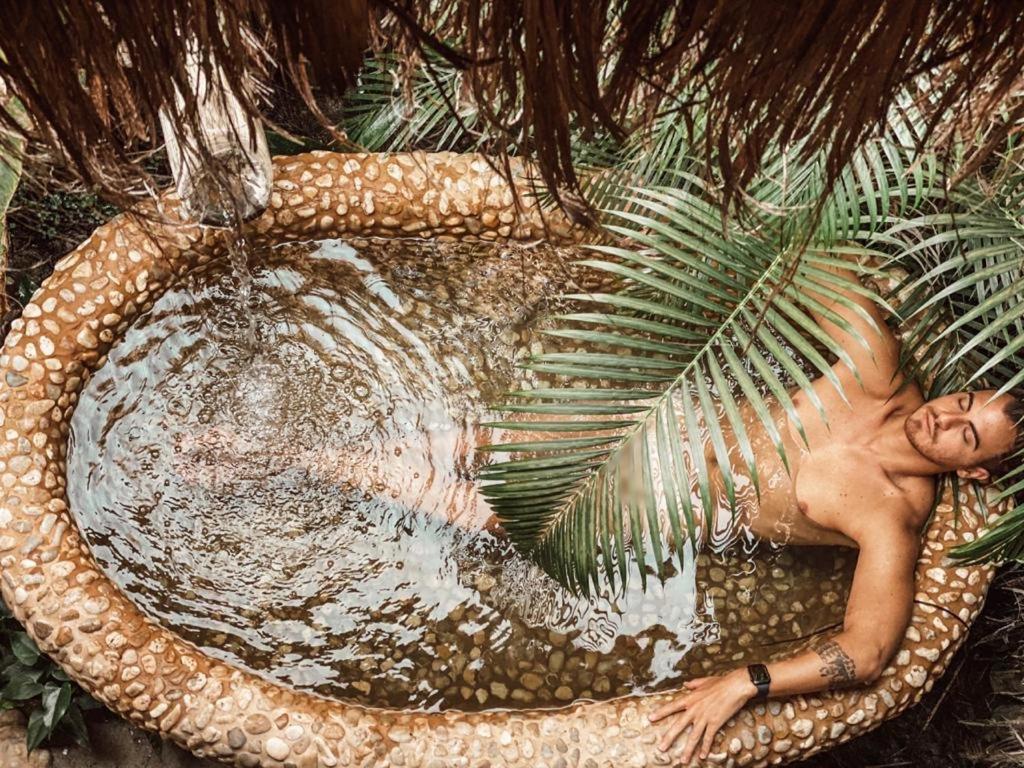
(93,75)
(815,74)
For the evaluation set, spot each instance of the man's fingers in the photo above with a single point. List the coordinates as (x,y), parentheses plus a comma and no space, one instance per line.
(692,740)
(678,704)
(681,723)
(675,728)
(696,683)
(709,737)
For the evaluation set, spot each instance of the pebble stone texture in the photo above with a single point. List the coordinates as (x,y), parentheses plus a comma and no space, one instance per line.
(13,751)
(156,680)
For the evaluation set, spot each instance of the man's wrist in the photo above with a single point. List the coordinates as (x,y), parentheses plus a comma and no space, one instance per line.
(745,685)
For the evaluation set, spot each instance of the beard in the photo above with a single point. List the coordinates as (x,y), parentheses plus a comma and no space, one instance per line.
(916,431)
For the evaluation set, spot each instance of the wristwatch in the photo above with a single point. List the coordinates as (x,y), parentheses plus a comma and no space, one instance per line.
(760,678)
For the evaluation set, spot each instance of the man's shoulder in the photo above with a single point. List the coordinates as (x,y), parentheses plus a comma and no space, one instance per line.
(896,509)
(907,503)
(891,387)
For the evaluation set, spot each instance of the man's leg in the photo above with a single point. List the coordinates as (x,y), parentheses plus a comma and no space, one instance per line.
(437,479)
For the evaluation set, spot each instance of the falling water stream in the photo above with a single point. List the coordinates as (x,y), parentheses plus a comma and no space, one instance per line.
(278,461)
(238,259)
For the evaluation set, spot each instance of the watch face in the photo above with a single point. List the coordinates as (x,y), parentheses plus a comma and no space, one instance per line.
(759,674)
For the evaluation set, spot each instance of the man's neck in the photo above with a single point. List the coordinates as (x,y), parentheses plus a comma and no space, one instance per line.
(898,455)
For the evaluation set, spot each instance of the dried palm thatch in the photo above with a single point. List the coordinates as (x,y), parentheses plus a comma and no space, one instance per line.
(814,74)
(93,75)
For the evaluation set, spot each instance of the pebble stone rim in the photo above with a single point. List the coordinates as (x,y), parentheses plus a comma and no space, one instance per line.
(158,681)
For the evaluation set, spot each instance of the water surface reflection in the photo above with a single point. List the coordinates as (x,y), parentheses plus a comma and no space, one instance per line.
(281,503)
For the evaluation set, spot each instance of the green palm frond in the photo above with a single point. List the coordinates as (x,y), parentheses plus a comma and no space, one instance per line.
(11,148)
(972,315)
(661,155)
(1005,541)
(712,311)
(887,178)
(385,113)
(619,465)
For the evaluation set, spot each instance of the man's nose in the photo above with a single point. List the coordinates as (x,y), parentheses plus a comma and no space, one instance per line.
(945,419)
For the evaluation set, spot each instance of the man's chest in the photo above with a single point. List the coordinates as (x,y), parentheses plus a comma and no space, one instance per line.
(840,479)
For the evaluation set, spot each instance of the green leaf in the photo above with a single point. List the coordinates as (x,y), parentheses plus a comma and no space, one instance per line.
(24,649)
(10,173)
(75,723)
(21,688)
(37,731)
(55,703)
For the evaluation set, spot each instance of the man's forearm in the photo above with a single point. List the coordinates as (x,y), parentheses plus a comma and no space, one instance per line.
(707,703)
(877,614)
(838,662)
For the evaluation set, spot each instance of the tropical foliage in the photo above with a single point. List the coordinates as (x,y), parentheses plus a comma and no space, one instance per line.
(709,316)
(712,314)
(965,310)
(32,682)
(10,172)
(386,112)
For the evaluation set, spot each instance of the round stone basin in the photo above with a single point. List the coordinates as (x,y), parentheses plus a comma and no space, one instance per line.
(145,561)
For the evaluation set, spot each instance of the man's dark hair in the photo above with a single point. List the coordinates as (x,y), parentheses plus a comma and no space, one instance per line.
(1014,411)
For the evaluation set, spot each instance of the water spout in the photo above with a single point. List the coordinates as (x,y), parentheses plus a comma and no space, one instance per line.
(220,162)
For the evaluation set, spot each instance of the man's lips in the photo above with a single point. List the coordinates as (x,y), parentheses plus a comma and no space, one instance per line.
(929,424)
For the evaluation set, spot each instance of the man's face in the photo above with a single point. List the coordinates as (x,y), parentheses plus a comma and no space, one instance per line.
(963,431)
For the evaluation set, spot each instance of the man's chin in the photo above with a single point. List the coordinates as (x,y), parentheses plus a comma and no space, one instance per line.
(917,434)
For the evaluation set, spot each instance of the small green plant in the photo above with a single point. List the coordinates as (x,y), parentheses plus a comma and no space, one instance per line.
(33,683)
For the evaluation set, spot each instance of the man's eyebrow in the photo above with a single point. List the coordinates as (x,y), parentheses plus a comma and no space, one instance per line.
(977,437)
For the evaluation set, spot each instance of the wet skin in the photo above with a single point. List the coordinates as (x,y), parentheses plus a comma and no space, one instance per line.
(865,477)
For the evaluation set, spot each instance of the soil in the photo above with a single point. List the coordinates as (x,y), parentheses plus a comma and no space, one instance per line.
(118,744)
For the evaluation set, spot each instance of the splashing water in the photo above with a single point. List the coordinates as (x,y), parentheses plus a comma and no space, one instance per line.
(238,258)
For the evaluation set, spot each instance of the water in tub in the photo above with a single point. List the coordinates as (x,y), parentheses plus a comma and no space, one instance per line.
(289,484)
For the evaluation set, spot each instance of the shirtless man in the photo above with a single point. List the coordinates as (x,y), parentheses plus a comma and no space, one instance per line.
(866,479)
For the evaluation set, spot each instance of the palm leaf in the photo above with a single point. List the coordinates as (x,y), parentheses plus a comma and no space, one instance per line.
(703,316)
(10,172)
(384,112)
(669,352)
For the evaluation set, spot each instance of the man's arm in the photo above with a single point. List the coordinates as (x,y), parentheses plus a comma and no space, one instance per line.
(842,307)
(877,614)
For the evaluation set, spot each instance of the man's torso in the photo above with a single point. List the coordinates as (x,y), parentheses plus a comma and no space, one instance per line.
(835,481)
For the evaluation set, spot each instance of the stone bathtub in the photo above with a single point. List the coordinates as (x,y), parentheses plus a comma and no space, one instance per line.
(151,676)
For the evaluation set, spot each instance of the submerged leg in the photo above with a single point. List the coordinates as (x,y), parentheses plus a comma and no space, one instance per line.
(409,478)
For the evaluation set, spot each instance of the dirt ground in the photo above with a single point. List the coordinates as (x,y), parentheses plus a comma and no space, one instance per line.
(117,744)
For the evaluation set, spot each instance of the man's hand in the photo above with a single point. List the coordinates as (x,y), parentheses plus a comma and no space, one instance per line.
(877,614)
(706,704)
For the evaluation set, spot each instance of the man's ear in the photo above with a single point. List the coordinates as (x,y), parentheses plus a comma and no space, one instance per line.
(974,473)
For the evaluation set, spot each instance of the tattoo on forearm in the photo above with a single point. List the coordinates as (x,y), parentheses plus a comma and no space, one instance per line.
(838,668)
